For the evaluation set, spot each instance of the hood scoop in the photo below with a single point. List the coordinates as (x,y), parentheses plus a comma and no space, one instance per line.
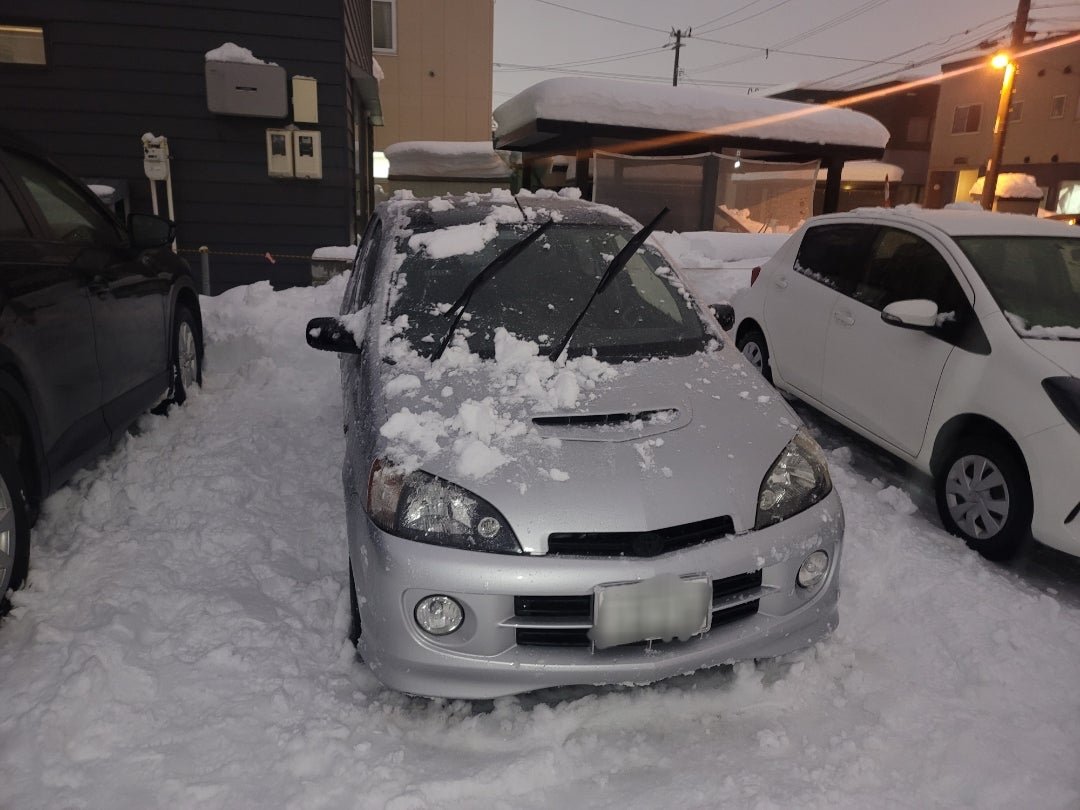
(617,426)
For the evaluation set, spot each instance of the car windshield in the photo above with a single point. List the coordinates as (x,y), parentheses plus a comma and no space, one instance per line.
(644,312)
(1035,281)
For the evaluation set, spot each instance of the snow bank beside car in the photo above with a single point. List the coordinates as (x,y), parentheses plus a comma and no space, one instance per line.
(718,264)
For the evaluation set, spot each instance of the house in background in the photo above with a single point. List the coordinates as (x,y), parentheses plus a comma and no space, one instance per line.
(86,80)
(909,117)
(1043,136)
(436,59)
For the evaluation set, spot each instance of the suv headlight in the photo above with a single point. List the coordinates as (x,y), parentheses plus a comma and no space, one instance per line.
(418,506)
(798,479)
(1064,392)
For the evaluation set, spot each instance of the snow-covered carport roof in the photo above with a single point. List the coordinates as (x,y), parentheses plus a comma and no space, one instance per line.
(574,114)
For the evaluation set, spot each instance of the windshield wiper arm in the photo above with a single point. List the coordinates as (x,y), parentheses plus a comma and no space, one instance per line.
(494,266)
(617,264)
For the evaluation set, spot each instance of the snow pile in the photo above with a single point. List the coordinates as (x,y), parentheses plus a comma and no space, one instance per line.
(231,52)
(687,108)
(471,159)
(376,69)
(459,240)
(1011,186)
(715,264)
(182,644)
(101,191)
(335,253)
(1026,330)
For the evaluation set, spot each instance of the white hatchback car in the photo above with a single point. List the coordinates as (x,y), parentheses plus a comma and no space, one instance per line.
(949,338)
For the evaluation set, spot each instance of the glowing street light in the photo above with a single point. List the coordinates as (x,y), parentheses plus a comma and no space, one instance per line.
(1000,60)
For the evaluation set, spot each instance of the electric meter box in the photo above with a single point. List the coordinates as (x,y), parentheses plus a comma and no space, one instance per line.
(305,100)
(237,88)
(307,153)
(156,158)
(279,153)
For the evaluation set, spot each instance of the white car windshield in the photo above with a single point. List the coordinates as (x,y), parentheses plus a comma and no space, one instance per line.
(644,312)
(1035,281)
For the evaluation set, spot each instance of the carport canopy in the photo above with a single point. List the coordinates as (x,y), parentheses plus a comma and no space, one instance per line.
(577,115)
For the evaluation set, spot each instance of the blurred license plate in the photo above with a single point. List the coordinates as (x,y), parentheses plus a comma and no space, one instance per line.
(657,609)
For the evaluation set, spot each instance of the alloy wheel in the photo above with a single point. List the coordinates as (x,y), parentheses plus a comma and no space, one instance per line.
(187,358)
(752,352)
(977,496)
(7,538)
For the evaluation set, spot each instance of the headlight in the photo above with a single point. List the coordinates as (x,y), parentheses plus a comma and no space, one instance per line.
(1064,392)
(798,480)
(418,506)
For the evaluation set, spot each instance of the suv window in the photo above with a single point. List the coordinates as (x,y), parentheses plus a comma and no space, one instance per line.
(835,255)
(69,215)
(904,266)
(12,224)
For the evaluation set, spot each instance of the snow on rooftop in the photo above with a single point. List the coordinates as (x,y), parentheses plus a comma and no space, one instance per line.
(447,159)
(231,52)
(1011,186)
(687,109)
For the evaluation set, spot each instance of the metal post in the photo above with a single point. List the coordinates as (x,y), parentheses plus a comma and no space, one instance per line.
(204,268)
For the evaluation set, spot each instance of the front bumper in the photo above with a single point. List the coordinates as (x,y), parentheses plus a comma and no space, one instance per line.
(1051,457)
(483,658)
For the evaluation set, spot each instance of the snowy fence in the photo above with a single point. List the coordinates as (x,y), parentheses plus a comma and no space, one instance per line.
(708,191)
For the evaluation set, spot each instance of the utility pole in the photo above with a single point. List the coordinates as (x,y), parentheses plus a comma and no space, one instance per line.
(1001,122)
(678,34)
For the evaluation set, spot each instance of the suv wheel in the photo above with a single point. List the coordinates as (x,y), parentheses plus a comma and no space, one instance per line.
(187,355)
(14,527)
(752,344)
(983,496)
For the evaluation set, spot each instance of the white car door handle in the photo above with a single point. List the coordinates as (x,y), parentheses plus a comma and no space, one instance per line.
(844,318)
(780,282)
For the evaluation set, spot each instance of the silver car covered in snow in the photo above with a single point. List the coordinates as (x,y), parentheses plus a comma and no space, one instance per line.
(558,470)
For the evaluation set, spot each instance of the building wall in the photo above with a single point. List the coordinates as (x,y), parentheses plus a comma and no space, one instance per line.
(1036,144)
(437,85)
(119,68)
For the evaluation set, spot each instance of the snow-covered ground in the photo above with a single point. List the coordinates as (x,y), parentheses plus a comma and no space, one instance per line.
(182,644)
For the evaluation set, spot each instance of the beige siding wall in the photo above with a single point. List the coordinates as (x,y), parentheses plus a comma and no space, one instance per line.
(1036,136)
(438,83)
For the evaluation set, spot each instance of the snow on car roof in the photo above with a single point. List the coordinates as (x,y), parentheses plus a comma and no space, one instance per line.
(974,223)
(687,108)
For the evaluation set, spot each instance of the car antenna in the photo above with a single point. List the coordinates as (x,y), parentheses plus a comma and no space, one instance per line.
(613,268)
(496,264)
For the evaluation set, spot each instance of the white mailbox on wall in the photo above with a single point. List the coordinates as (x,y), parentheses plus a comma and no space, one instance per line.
(279,153)
(307,153)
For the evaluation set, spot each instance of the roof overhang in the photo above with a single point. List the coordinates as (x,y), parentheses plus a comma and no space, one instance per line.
(367,87)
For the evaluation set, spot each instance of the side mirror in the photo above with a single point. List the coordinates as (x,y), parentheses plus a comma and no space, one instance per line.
(725,314)
(330,335)
(916,313)
(149,231)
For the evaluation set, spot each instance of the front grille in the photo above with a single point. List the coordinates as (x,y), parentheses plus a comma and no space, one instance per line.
(549,612)
(639,544)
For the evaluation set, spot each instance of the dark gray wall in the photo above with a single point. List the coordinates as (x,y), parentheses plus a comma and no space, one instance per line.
(119,68)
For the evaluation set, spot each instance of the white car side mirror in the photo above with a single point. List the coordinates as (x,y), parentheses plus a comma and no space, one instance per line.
(916,313)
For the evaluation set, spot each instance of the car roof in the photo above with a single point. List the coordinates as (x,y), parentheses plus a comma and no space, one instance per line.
(472,207)
(963,222)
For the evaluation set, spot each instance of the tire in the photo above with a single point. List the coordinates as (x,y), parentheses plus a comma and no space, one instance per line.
(14,528)
(752,344)
(187,355)
(984,496)
(354,607)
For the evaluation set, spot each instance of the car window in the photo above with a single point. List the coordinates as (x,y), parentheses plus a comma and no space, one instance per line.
(643,312)
(12,224)
(904,266)
(368,265)
(348,300)
(835,255)
(69,215)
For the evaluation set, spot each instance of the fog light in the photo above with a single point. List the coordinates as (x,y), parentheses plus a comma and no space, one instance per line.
(813,569)
(438,615)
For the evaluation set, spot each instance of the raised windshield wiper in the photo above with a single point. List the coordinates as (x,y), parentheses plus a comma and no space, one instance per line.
(612,270)
(494,266)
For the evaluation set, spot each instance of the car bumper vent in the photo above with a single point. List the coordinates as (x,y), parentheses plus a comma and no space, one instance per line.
(565,621)
(639,544)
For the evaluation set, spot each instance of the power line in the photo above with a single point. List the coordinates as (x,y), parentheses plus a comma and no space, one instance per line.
(601,16)
(617,57)
(703,25)
(773,7)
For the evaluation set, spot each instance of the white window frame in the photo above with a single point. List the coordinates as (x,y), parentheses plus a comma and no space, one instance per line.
(1053,99)
(393,27)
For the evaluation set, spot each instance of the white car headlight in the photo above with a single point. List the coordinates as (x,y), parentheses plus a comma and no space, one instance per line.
(798,479)
(421,507)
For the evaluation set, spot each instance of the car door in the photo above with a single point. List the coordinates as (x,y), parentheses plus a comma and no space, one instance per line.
(883,377)
(47,337)
(128,289)
(800,300)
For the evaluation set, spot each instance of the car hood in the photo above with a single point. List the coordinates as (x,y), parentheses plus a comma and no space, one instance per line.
(1062,353)
(595,447)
